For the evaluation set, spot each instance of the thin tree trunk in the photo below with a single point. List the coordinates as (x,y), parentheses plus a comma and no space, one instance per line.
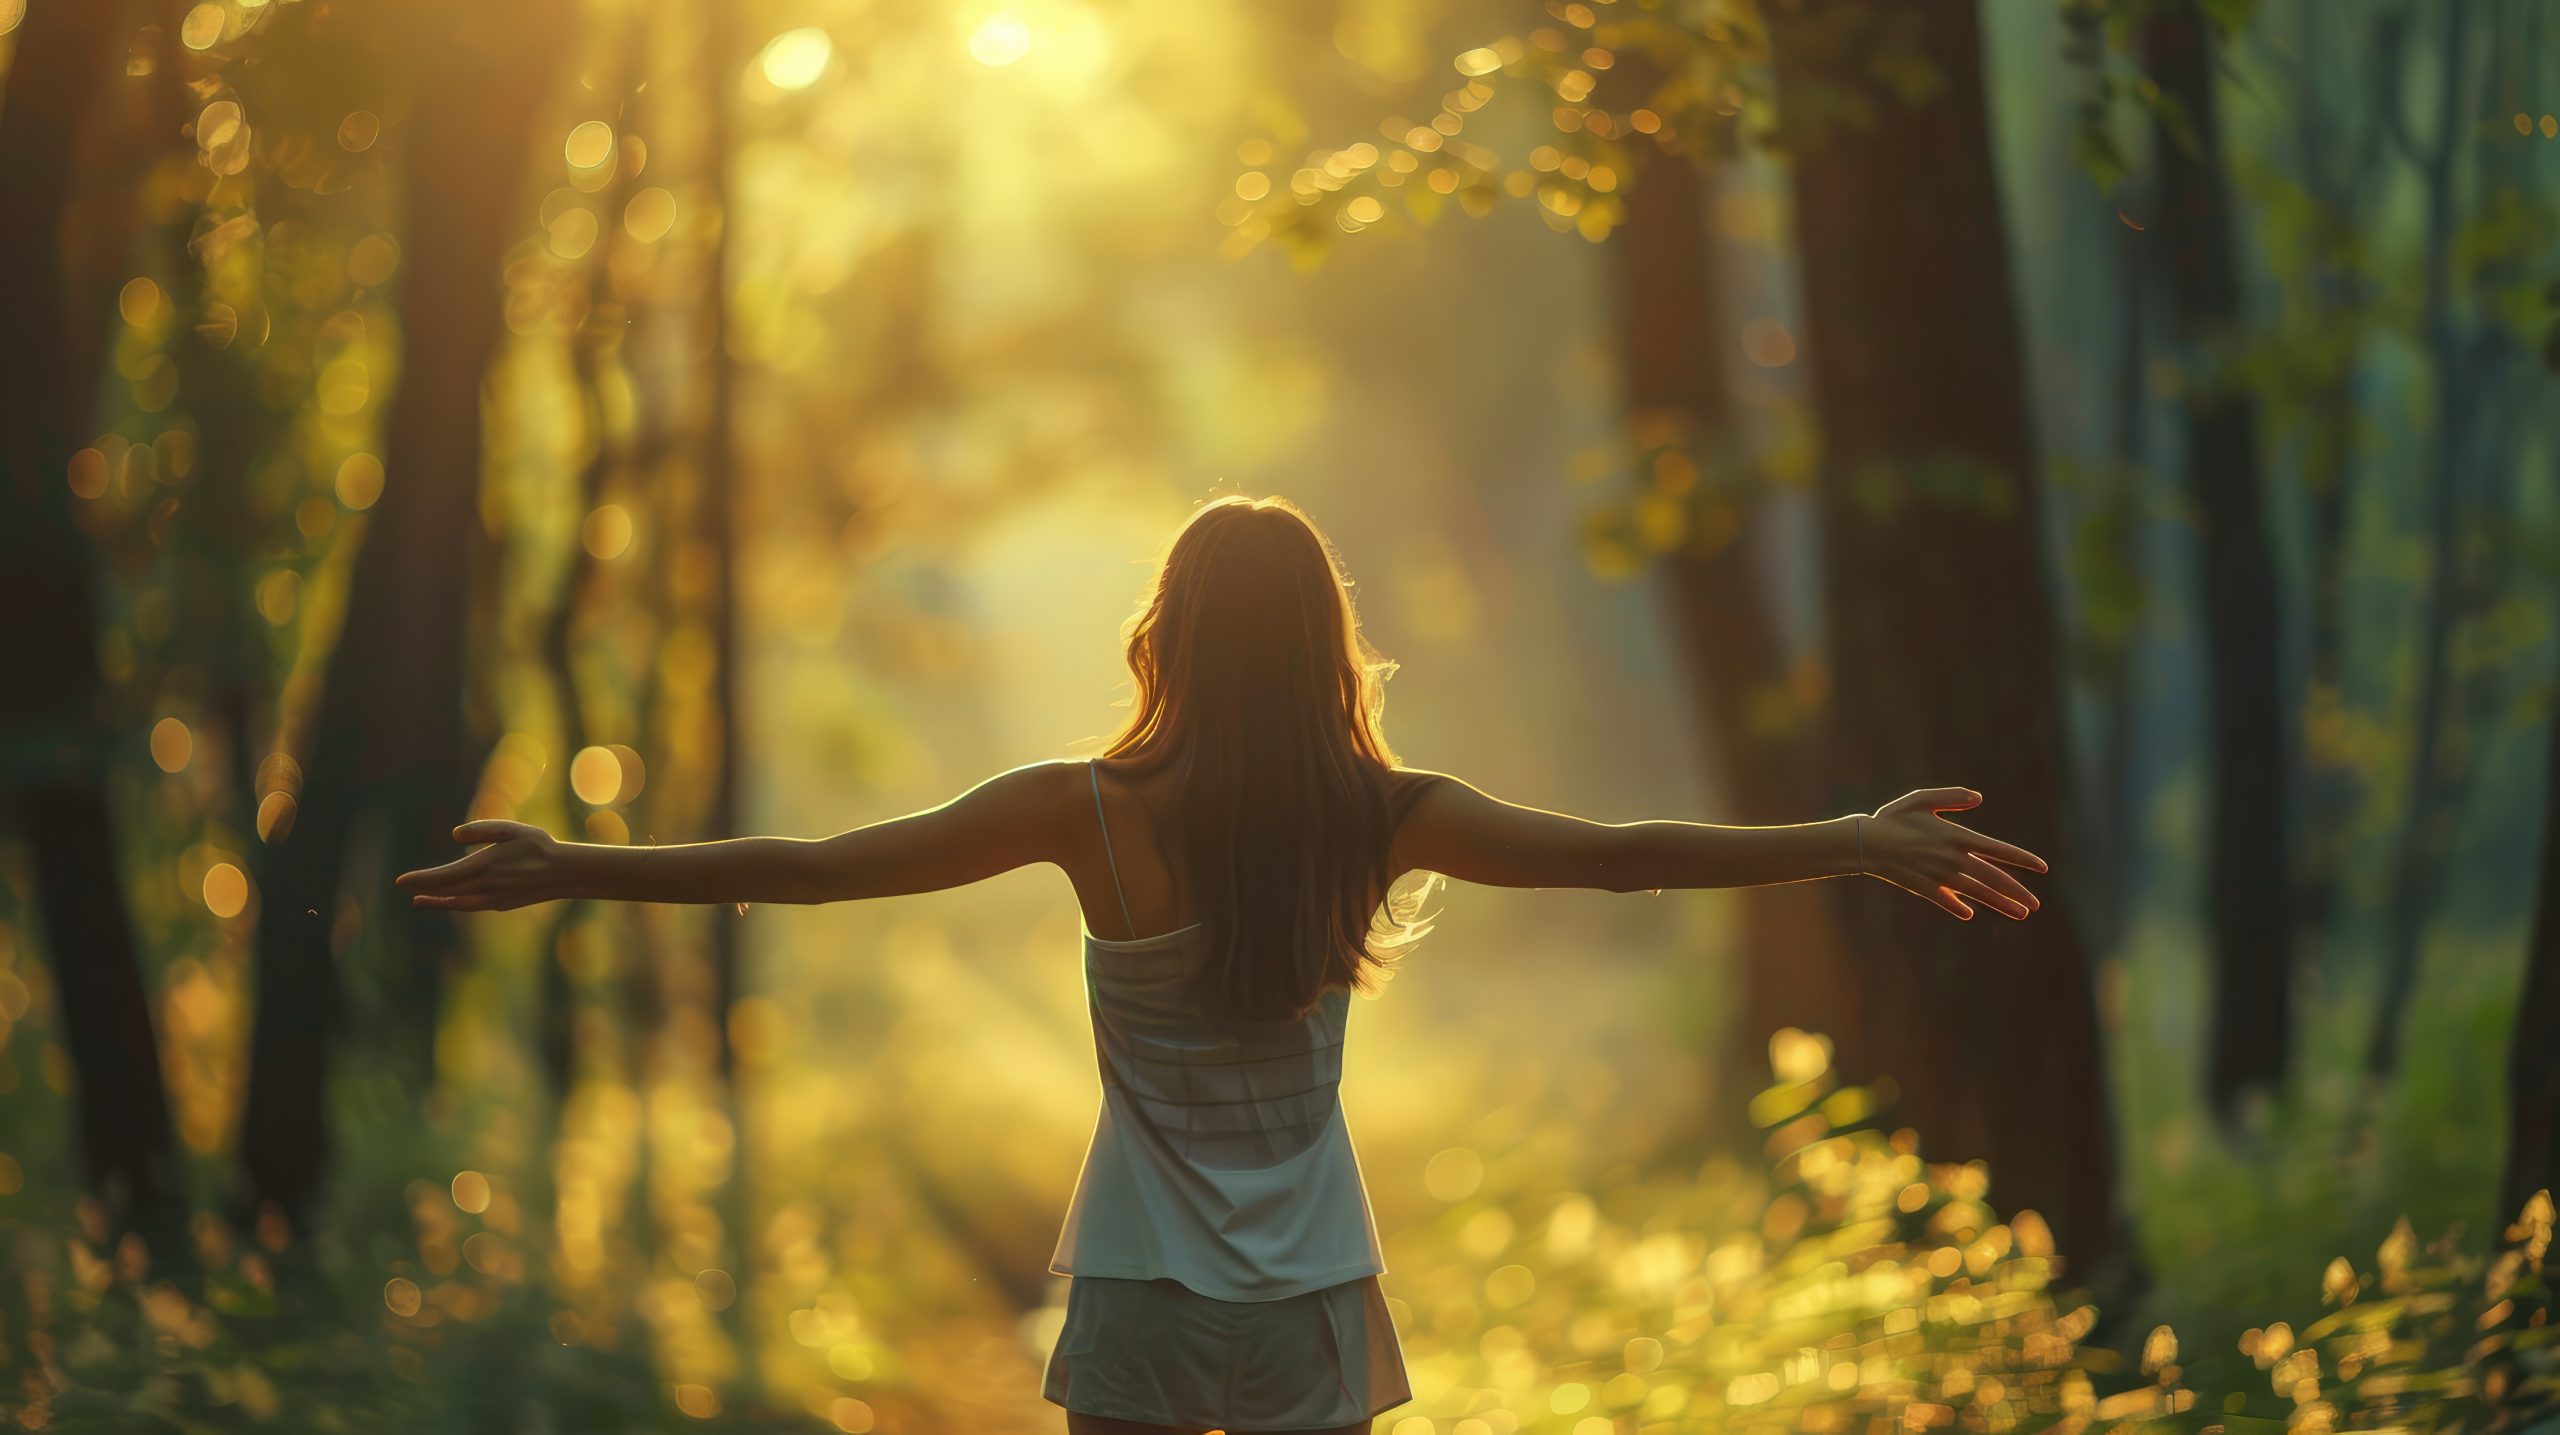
(2424,821)
(595,352)
(1943,663)
(2533,1057)
(2247,868)
(2108,833)
(386,757)
(721,498)
(51,761)
(2335,160)
(1672,337)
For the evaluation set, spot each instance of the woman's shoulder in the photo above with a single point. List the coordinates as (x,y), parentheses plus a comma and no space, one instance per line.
(1053,787)
(1408,786)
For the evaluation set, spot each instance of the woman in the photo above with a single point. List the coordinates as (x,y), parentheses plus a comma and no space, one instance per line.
(1238,843)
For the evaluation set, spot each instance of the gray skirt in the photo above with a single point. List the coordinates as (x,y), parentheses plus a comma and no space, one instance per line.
(1160,1353)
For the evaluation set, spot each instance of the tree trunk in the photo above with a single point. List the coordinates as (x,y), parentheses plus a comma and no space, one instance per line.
(52,761)
(1942,644)
(1672,335)
(2425,821)
(2338,159)
(721,501)
(2533,1057)
(2246,866)
(386,757)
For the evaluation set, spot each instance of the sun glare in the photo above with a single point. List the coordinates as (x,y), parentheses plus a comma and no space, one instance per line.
(1000,39)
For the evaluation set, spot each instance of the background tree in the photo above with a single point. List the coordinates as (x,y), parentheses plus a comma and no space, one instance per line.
(2533,1058)
(2247,857)
(2445,336)
(1928,472)
(1926,461)
(58,257)
(1687,441)
(387,769)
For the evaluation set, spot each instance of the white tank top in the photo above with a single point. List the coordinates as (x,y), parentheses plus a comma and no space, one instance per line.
(1220,1158)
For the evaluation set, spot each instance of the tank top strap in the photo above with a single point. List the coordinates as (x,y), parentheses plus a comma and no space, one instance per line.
(1095,774)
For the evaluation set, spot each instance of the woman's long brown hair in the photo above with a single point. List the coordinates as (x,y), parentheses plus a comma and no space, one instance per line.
(1255,688)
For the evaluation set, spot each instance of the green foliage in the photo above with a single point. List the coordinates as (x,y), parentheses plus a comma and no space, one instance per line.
(1615,78)
(2112,503)
(257,1336)
(1848,1284)
(2103,42)
(1683,491)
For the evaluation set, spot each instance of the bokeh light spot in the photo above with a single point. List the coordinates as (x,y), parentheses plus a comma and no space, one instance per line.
(372,259)
(608,532)
(138,301)
(400,1295)
(226,890)
(1454,1174)
(590,144)
(718,1289)
(280,596)
(314,517)
(470,1192)
(851,1416)
(649,215)
(697,1401)
(359,481)
(358,131)
(89,473)
(275,816)
(11,12)
(172,746)
(849,1361)
(573,233)
(222,137)
(794,59)
(595,776)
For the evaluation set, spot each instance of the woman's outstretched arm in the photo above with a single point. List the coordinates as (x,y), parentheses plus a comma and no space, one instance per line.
(1454,830)
(1010,820)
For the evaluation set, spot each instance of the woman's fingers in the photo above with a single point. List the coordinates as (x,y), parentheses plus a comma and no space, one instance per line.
(1999,851)
(486,829)
(467,902)
(1999,902)
(454,873)
(1944,799)
(2000,882)
(1929,892)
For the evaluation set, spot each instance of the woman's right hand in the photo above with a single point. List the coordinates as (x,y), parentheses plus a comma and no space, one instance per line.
(521,865)
(1908,844)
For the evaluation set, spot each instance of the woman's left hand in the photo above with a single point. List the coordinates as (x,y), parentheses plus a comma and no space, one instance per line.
(1908,844)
